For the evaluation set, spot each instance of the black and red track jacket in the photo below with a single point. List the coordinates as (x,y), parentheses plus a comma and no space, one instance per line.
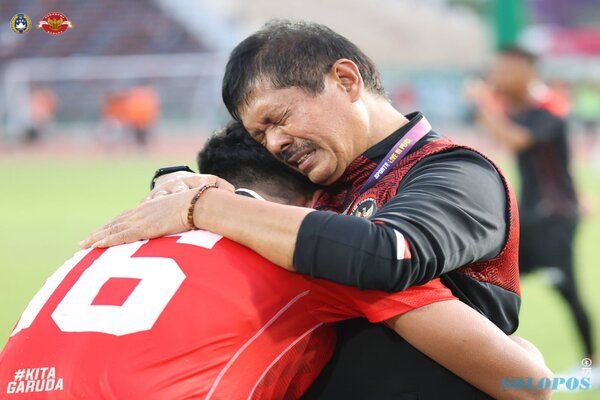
(444,210)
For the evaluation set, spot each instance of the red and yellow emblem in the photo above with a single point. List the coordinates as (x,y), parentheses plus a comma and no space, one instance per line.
(55,23)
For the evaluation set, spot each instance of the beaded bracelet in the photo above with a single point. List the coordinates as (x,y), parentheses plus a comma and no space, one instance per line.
(190,215)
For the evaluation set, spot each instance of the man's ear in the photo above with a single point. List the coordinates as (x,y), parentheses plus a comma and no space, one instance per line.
(347,76)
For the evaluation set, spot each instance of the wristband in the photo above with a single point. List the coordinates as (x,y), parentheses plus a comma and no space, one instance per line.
(190,215)
(168,170)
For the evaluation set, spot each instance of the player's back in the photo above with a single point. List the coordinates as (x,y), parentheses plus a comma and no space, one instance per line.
(178,317)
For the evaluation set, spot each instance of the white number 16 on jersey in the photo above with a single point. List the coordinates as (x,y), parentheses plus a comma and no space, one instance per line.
(160,278)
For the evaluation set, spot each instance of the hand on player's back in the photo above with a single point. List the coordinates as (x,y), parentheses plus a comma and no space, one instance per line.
(164,212)
(180,181)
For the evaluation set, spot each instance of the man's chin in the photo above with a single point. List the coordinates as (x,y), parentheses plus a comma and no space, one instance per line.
(322,177)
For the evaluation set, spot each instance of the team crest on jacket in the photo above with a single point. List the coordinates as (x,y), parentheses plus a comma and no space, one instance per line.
(55,23)
(20,23)
(365,208)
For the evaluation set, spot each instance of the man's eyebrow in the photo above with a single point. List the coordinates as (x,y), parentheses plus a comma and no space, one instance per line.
(255,129)
(267,116)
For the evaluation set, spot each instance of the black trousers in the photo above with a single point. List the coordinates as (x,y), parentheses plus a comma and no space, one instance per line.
(371,362)
(549,242)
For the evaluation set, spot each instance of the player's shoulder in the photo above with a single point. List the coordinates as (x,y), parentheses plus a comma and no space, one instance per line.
(206,240)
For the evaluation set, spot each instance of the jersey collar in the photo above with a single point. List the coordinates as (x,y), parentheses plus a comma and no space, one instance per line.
(249,193)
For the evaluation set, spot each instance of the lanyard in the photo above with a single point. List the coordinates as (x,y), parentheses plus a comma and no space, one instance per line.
(397,153)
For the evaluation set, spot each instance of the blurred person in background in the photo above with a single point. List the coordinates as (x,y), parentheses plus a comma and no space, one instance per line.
(141,110)
(554,96)
(586,111)
(42,106)
(515,115)
(111,131)
(129,114)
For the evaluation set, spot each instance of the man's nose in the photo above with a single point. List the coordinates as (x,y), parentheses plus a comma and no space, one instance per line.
(277,141)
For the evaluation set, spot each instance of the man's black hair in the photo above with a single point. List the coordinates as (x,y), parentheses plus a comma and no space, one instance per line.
(285,54)
(234,156)
(514,50)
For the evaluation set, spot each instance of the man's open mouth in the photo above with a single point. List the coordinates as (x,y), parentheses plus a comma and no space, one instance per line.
(305,157)
(300,158)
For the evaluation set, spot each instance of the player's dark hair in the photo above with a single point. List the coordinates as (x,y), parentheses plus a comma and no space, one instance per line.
(514,50)
(291,53)
(233,155)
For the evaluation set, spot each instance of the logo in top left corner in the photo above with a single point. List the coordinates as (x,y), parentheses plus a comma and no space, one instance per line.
(20,23)
(55,23)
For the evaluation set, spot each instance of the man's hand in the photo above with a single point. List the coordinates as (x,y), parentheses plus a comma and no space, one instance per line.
(481,95)
(163,213)
(154,218)
(180,181)
(492,116)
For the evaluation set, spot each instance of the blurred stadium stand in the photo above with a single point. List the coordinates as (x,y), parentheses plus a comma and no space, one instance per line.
(114,45)
(102,27)
(184,45)
(425,48)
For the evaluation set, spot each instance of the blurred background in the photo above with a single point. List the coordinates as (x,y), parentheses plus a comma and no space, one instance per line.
(87,116)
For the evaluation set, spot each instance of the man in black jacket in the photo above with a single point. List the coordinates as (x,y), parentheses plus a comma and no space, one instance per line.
(316,102)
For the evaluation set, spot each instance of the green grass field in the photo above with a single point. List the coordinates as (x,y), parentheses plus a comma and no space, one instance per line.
(47,207)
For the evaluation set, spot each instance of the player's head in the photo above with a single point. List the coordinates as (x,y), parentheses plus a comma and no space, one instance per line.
(302,89)
(513,71)
(234,156)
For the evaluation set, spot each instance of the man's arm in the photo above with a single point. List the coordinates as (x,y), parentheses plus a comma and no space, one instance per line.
(460,339)
(501,128)
(450,209)
(515,135)
(451,333)
(268,228)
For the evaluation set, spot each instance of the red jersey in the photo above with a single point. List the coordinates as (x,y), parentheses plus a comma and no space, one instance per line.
(183,317)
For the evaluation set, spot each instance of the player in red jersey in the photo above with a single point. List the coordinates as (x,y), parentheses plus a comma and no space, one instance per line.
(196,315)
(188,316)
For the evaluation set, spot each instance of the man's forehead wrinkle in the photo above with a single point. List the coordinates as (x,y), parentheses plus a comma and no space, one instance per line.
(270,111)
(264,112)
(264,102)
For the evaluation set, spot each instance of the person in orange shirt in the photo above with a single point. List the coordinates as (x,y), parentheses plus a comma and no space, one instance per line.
(140,111)
(42,106)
